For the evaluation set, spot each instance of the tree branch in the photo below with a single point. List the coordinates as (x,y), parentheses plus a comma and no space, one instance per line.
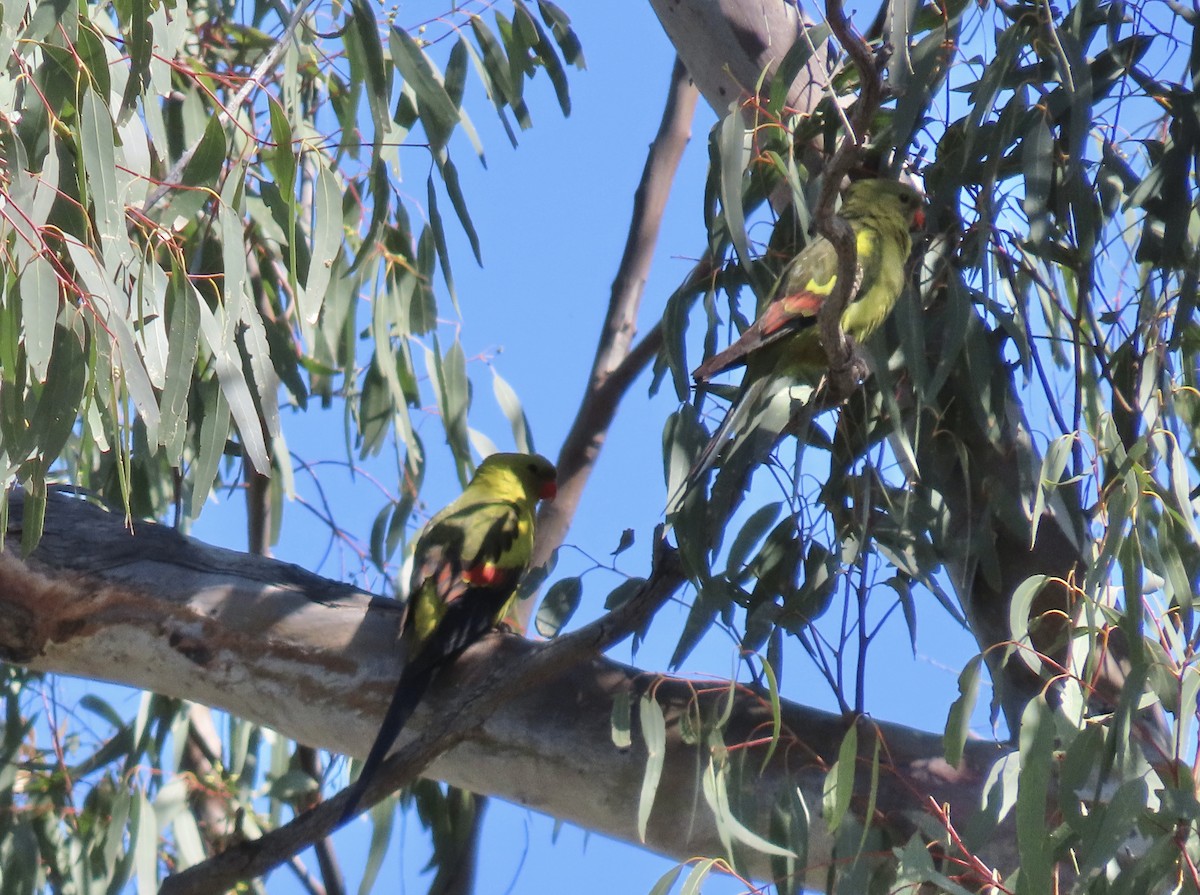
(316,660)
(496,683)
(728,46)
(614,368)
(844,371)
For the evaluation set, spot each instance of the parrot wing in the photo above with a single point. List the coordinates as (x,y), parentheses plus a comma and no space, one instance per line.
(467,567)
(803,287)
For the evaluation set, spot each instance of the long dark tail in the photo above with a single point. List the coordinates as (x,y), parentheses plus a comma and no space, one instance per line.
(409,690)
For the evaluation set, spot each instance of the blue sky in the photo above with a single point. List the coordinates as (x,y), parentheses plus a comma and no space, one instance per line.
(552,218)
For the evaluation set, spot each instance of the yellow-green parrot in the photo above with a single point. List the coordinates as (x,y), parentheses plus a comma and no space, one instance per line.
(466,566)
(783,346)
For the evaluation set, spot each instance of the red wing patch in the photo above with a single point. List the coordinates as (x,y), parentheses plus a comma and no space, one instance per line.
(486,575)
(790,312)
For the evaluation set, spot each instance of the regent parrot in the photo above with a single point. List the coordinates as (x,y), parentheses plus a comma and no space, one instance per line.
(466,566)
(783,346)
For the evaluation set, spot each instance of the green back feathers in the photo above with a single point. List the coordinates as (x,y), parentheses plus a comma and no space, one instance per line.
(466,566)
(481,542)
(881,213)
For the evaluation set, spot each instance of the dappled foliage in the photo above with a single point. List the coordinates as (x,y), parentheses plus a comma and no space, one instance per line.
(204,208)
(1024,452)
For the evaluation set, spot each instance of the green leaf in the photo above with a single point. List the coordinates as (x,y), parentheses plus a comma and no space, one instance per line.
(257,352)
(621,720)
(1018,618)
(183,346)
(189,844)
(666,882)
(626,541)
(214,430)
(39,310)
(281,157)
(459,203)
(560,27)
(383,820)
(496,91)
(438,229)
(100,165)
(33,512)
(113,308)
(872,794)
(367,64)
(750,534)
(292,785)
(958,722)
(654,733)
(716,793)
(144,833)
(559,604)
(57,407)
(513,412)
(200,173)
(839,781)
(1108,827)
(439,113)
(776,712)
(700,618)
(1037,155)
(682,440)
(327,237)
(734,155)
(1053,464)
(1037,766)
(241,406)
(699,873)
(452,390)
(547,55)
(623,593)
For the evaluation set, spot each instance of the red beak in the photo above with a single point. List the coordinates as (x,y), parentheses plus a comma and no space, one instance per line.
(919,219)
(549,491)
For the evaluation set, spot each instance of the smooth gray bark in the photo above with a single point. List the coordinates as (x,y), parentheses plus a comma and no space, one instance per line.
(316,660)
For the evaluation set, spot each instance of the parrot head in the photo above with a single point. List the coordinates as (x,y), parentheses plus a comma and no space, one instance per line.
(864,197)
(536,474)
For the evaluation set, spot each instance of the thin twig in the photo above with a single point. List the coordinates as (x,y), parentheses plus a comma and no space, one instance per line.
(266,64)
(843,375)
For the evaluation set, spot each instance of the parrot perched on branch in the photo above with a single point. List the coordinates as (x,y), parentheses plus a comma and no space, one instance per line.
(783,346)
(466,566)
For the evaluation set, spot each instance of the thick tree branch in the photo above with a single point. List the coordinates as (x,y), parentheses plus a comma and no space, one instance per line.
(316,660)
(728,45)
(614,367)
